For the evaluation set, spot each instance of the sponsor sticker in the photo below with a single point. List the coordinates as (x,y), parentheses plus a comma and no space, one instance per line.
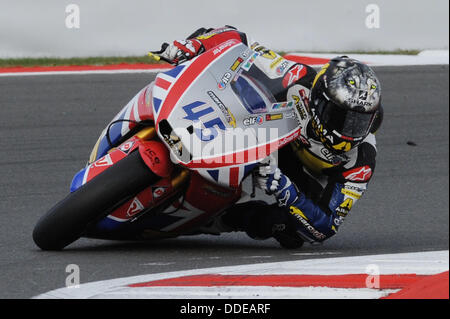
(250,61)
(276,62)
(288,139)
(252,120)
(223,46)
(226,112)
(158,191)
(304,220)
(274,117)
(224,81)
(282,105)
(104,161)
(236,64)
(294,75)
(126,147)
(280,70)
(345,207)
(359,174)
(350,193)
(135,207)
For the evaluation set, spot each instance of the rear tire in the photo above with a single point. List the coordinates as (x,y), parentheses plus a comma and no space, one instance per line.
(67,220)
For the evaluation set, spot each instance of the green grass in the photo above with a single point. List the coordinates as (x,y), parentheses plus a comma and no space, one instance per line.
(30,62)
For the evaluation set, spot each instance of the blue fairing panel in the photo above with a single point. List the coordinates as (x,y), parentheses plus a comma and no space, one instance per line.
(77,180)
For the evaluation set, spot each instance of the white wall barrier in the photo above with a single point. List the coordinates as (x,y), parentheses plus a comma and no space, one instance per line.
(68,28)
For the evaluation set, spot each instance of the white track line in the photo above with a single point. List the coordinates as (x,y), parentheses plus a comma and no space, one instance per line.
(406,263)
(244,292)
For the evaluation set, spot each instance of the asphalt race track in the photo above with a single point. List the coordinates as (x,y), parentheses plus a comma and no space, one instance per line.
(48,125)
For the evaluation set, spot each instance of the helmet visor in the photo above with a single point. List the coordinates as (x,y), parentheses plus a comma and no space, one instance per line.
(346,122)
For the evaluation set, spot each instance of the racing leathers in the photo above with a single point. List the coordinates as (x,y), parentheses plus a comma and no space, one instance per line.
(314,188)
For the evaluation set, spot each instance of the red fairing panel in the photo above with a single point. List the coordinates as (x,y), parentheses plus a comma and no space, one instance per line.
(144,107)
(215,37)
(151,196)
(109,159)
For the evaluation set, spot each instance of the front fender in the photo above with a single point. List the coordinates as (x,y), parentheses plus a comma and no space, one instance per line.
(156,156)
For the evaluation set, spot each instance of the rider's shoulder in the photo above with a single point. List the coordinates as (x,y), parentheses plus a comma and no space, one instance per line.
(299,74)
(361,167)
(365,153)
(368,148)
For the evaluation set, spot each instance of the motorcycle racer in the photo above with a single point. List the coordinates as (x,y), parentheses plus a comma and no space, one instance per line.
(321,175)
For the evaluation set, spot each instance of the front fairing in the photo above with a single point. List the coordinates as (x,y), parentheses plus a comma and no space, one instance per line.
(215,99)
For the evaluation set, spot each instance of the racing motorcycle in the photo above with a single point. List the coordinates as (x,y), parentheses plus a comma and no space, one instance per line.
(165,166)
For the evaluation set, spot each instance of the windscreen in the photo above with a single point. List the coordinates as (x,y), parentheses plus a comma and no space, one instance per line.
(255,97)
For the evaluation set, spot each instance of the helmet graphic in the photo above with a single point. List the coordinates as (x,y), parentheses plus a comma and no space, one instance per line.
(345,104)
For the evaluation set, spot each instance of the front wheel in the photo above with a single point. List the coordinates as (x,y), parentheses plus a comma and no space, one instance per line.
(67,220)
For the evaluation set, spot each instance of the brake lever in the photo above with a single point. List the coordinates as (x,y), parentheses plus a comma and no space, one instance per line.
(157,54)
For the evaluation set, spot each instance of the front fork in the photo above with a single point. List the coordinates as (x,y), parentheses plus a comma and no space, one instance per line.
(157,157)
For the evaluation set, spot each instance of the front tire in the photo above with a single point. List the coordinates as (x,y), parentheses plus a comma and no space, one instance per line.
(67,220)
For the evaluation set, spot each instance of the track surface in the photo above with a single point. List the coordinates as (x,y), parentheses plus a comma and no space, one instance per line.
(48,125)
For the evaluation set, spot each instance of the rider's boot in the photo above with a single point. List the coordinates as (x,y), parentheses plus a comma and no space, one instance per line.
(261,221)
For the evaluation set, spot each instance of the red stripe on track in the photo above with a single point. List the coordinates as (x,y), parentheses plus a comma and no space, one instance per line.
(430,287)
(306,59)
(134,66)
(333,281)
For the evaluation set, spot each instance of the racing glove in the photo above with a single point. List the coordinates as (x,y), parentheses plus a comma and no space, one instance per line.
(181,50)
(309,221)
(274,182)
